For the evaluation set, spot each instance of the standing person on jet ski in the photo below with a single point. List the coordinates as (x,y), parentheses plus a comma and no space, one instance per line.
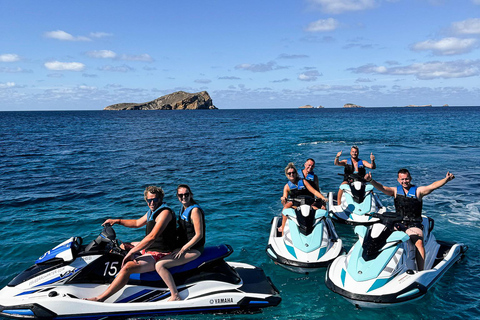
(353,165)
(191,236)
(159,241)
(307,173)
(408,204)
(298,187)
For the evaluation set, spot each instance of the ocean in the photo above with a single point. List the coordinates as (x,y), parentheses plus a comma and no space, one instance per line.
(64,173)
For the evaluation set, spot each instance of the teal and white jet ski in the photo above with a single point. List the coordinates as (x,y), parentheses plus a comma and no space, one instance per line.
(357,204)
(309,241)
(380,269)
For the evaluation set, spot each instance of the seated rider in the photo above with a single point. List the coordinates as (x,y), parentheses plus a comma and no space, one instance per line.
(298,187)
(308,174)
(159,241)
(408,204)
(191,236)
(353,165)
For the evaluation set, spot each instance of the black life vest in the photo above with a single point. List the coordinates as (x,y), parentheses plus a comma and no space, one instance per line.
(408,205)
(350,167)
(167,240)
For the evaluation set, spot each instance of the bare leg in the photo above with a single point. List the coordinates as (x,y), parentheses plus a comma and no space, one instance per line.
(340,194)
(169,262)
(420,255)
(140,265)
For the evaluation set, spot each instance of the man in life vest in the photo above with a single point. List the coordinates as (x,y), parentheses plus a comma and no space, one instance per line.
(408,204)
(353,165)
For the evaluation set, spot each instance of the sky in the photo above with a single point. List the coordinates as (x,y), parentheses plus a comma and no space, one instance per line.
(248,54)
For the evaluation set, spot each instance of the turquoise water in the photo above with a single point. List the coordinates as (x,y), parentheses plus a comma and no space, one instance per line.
(64,173)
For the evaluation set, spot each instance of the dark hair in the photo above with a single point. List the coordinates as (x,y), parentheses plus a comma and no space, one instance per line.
(189,190)
(404,171)
(310,159)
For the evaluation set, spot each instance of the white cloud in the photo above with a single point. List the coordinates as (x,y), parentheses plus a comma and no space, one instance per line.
(123,68)
(7,85)
(141,57)
(64,66)
(446,46)
(428,70)
(469,26)
(9,57)
(15,70)
(259,67)
(102,54)
(100,34)
(322,25)
(340,6)
(64,36)
(311,75)
(203,81)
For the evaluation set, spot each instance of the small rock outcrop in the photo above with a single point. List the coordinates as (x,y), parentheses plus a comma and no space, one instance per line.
(351,105)
(179,100)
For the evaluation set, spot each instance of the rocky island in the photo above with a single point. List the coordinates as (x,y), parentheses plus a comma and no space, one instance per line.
(351,105)
(179,100)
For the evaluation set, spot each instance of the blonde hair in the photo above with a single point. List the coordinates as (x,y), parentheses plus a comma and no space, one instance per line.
(157,191)
(289,166)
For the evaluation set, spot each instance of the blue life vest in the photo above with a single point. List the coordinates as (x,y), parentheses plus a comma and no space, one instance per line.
(311,178)
(350,168)
(298,189)
(186,229)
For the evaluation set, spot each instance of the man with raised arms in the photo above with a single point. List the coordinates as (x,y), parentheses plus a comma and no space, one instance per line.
(408,204)
(353,165)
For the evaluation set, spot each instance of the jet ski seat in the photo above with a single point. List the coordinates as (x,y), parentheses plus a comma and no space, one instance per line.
(210,254)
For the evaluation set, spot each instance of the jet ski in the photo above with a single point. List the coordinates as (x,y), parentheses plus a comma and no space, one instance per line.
(55,286)
(357,204)
(309,241)
(380,269)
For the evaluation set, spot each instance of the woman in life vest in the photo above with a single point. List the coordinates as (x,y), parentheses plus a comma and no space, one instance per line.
(297,187)
(191,237)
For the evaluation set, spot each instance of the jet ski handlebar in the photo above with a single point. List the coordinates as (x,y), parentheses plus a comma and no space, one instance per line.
(105,240)
(301,200)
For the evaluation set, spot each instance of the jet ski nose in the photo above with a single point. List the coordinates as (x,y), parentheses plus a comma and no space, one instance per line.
(357,185)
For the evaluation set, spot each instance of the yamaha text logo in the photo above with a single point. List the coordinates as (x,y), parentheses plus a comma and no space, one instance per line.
(221,300)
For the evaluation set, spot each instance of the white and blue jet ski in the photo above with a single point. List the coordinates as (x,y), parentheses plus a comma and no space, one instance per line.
(54,287)
(357,204)
(309,241)
(380,269)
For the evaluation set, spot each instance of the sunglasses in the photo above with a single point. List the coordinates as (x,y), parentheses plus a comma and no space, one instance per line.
(183,195)
(155,200)
(291,173)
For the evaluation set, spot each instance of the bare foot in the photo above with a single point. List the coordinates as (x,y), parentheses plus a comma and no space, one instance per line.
(174,298)
(93,299)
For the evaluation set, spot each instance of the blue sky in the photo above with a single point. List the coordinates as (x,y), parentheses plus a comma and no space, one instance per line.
(74,55)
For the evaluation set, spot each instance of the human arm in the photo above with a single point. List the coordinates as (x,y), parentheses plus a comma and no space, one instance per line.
(129,223)
(313,191)
(389,191)
(424,190)
(284,197)
(197,220)
(372,165)
(337,162)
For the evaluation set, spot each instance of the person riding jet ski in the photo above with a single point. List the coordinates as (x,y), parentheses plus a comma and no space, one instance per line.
(408,204)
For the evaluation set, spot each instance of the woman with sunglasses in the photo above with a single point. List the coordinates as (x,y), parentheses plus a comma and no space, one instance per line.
(297,187)
(159,241)
(191,237)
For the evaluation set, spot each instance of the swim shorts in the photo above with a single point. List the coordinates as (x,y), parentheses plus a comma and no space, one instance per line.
(155,254)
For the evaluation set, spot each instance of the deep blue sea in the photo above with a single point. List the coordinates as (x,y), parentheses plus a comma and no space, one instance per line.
(63,173)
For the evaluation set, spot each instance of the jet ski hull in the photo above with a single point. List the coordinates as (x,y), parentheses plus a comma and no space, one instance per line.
(253,292)
(404,287)
(287,255)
